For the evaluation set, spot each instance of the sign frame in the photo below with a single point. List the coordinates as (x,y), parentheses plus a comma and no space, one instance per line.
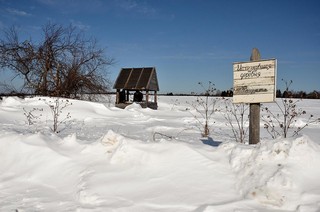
(254,81)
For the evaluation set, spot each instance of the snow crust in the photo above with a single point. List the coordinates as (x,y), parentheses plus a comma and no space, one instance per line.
(109,159)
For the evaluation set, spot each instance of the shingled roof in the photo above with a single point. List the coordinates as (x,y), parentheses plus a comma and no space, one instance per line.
(137,79)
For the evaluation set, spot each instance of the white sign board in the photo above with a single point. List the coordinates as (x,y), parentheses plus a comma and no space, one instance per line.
(254,82)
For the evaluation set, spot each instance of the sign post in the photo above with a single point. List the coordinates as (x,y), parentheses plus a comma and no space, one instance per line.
(254,122)
(254,82)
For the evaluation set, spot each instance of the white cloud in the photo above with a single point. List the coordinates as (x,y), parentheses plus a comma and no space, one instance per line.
(17,12)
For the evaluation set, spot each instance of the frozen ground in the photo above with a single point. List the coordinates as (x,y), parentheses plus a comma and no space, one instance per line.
(109,159)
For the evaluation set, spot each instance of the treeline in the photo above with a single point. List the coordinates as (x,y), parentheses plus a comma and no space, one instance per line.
(298,94)
(279,94)
(228,93)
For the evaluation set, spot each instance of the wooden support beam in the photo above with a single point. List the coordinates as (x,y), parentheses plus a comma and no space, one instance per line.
(118,96)
(155,96)
(254,122)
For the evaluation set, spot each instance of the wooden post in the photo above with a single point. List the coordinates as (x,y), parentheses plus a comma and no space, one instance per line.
(155,97)
(147,97)
(127,96)
(254,122)
(118,96)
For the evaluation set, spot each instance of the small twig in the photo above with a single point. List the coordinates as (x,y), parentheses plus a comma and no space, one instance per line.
(161,134)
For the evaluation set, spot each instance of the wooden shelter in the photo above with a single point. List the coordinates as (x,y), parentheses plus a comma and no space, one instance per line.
(142,81)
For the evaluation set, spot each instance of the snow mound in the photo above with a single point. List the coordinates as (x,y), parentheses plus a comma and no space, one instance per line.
(268,173)
(10,101)
(124,150)
(106,160)
(157,174)
(133,106)
(37,169)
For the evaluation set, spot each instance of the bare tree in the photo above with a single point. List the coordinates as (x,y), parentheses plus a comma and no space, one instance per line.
(64,63)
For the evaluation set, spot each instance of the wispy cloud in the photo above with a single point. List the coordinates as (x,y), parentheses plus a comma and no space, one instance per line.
(73,7)
(136,7)
(17,12)
(80,25)
(127,4)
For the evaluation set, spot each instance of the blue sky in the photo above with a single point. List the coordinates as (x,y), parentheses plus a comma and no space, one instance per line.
(188,41)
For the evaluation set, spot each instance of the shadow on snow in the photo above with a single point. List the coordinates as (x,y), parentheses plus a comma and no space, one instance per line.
(209,141)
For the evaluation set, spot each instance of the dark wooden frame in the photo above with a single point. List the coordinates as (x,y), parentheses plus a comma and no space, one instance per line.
(146,82)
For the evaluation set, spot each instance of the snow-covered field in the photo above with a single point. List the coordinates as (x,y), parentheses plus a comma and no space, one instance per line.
(109,159)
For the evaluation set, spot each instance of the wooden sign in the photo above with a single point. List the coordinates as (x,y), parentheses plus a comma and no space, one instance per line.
(254,82)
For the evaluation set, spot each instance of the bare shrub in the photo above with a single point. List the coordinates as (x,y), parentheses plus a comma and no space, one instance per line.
(32,115)
(281,123)
(56,107)
(237,118)
(174,103)
(204,108)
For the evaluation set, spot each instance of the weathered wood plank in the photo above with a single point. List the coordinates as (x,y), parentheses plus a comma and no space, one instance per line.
(253,89)
(255,81)
(255,98)
(242,75)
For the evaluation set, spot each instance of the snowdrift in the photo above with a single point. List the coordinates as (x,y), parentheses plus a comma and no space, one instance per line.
(281,173)
(92,168)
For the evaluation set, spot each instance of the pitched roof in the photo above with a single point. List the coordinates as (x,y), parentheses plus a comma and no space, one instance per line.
(137,79)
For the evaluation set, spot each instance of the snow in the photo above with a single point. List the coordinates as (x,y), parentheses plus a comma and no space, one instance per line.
(109,159)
